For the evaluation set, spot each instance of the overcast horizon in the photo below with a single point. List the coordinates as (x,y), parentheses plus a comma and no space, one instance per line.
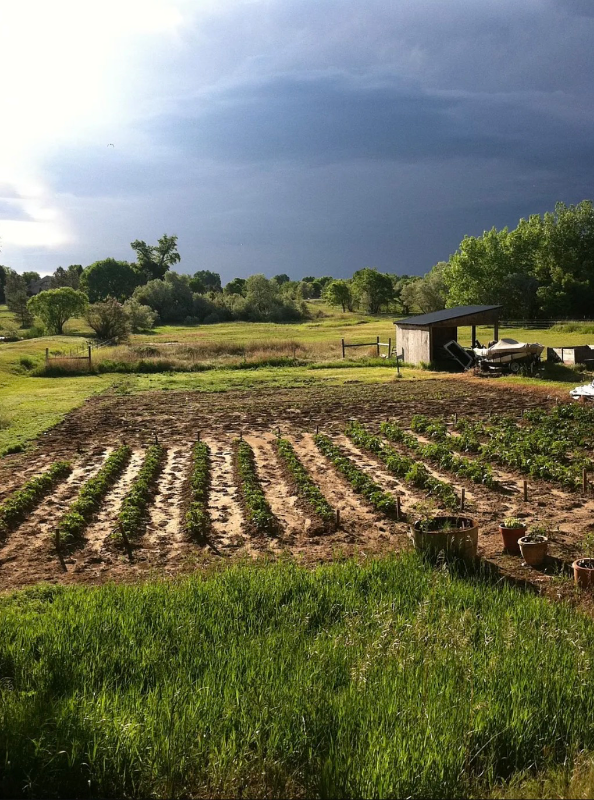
(287,136)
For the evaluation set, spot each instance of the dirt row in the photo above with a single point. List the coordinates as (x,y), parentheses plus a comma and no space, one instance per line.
(28,554)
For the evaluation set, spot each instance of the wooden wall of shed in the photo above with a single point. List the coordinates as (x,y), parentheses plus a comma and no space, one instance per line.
(414,343)
(439,337)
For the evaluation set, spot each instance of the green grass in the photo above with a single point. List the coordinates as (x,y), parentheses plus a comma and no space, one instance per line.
(386,679)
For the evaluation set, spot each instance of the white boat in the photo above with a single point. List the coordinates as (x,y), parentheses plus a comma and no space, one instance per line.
(587,390)
(508,354)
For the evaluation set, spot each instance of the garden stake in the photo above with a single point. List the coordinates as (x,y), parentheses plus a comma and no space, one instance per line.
(462,498)
(398,507)
(156,438)
(317,429)
(57,539)
(585,480)
(525,491)
(337,519)
(198,436)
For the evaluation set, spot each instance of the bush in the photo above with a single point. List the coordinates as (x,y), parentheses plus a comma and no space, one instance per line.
(109,320)
(141,318)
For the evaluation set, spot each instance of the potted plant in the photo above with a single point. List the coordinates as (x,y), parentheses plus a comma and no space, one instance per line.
(534,545)
(448,534)
(512,529)
(583,568)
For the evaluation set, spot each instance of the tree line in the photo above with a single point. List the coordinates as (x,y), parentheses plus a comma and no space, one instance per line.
(542,268)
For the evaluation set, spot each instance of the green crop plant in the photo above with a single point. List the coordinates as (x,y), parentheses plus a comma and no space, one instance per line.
(91,495)
(258,513)
(305,486)
(24,500)
(197,516)
(440,453)
(402,466)
(361,483)
(132,516)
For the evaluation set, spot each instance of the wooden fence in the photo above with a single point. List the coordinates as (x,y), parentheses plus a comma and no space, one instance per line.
(62,358)
(377,344)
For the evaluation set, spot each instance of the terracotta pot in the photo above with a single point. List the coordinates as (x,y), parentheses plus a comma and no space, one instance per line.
(510,538)
(460,540)
(533,553)
(583,572)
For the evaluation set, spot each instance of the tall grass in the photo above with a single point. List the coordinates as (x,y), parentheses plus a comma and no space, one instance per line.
(385,679)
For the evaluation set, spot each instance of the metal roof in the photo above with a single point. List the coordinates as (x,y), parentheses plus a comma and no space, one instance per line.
(445,315)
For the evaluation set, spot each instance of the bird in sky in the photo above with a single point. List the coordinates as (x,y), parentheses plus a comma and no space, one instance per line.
(111,145)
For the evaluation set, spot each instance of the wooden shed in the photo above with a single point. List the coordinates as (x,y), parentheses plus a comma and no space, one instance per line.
(421,339)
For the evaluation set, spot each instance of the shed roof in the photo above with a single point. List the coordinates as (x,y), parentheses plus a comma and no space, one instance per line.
(447,315)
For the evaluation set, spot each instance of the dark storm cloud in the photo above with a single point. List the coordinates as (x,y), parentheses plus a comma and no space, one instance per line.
(321,119)
(309,137)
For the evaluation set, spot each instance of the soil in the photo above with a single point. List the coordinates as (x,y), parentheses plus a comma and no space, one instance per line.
(88,434)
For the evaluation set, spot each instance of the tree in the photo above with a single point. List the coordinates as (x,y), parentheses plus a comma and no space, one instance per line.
(171,298)
(67,277)
(15,291)
(236,286)
(56,306)
(429,293)
(109,278)
(282,278)
(3,271)
(205,281)
(109,320)
(261,293)
(142,318)
(372,289)
(153,261)
(30,277)
(338,293)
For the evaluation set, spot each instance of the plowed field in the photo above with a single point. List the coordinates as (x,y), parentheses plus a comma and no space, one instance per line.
(86,437)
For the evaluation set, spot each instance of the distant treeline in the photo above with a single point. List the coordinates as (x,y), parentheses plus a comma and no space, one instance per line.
(544,268)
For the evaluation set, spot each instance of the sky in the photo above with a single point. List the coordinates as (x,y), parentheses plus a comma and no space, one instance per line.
(307,137)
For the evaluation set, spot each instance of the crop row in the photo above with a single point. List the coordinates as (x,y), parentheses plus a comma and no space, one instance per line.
(402,466)
(91,495)
(258,513)
(197,516)
(306,488)
(361,483)
(440,452)
(132,514)
(531,449)
(21,502)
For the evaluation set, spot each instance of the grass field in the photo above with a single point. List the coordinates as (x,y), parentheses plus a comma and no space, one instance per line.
(382,679)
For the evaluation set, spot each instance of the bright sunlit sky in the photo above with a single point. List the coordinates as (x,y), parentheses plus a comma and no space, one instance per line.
(298,136)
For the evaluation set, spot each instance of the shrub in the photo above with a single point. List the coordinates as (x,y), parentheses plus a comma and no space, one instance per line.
(197,516)
(109,320)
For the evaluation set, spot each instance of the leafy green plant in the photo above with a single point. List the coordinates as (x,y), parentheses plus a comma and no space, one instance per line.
(197,516)
(411,471)
(24,500)
(513,523)
(361,483)
(131,519)
(304,484)
(258,513)
(91,495)
(440,453)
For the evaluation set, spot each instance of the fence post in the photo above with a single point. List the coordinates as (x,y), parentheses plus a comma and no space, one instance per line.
(342,343)
(390,347)
(89,358)
(46,354)
(377,340)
